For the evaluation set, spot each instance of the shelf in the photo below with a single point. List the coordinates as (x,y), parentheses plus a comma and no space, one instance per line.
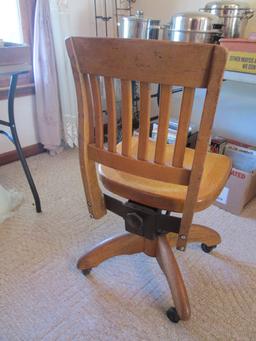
(11,53)
(11,69)
(240,77)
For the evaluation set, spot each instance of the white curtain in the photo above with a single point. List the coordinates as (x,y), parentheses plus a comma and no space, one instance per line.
(46,80)
(76,17)
(60,17)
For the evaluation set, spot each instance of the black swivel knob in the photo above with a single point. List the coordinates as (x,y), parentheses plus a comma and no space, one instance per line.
(133,221)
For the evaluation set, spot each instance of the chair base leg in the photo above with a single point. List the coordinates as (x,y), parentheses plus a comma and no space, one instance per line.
(170,268)
(124,244)
(127,244)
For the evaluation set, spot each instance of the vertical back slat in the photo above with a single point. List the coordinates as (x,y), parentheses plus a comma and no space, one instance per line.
(145,106)
(163,123)
(184,120)
(126,90)
(90,108)
(111,110)
(98,111)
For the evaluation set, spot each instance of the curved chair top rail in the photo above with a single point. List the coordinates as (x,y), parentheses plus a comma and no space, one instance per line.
(185,64)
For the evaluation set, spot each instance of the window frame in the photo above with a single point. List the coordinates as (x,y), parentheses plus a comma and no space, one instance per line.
(25,84)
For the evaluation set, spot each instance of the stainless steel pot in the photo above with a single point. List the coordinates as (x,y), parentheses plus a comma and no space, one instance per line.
(134,26)
(139,27)
(195,27)
(234,16)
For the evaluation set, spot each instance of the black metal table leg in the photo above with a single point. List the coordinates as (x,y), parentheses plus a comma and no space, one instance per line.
(11,96)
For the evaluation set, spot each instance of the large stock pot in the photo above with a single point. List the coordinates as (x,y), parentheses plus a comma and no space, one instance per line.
(234,16)
(195,27)
(139,27)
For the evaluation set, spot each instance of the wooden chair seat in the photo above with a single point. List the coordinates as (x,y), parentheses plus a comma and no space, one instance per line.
(164,195)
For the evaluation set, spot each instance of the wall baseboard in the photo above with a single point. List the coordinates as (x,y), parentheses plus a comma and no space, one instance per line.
(12,156)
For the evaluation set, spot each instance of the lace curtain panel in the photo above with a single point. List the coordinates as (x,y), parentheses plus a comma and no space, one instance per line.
(61,26)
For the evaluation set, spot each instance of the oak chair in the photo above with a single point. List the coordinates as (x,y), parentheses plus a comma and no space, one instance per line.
(156,178)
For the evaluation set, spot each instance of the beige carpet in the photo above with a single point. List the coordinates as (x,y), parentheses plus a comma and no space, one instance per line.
(44,297)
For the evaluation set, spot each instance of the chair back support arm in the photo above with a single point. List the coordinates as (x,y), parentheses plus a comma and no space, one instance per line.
(94,195)
(209,109)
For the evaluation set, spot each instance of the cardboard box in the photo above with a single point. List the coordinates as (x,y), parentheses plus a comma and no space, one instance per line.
(241,144)
(241,62)
(238,191)
(242,158)
(172,132)
(240,44)
(218,144)
(242,54)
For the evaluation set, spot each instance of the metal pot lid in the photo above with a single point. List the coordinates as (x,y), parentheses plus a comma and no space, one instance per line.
(193,21)
(227,4)
(192,31)
(196,14)
(138,17)
(134,19)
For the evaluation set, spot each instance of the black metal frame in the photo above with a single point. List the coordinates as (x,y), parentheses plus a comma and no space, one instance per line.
(120,11)
(13,137)
(142,220)
(105,18)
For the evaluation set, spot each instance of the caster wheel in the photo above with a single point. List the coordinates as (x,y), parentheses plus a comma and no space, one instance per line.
(86,272)
(206,248)
(173,315)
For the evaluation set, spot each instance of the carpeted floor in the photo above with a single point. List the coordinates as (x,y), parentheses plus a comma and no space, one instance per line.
(44,297)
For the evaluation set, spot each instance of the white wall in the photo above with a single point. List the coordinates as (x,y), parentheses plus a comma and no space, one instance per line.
(82,23)
(24,108)
(236,112)
(83,20)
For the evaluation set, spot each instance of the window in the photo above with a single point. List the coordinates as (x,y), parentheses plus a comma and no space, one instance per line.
(10,23)
(16,25)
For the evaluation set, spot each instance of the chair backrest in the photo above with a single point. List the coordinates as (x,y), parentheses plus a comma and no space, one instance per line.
(166,63)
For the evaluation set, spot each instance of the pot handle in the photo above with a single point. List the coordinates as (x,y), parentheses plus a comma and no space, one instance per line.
(249,13)
(217,26)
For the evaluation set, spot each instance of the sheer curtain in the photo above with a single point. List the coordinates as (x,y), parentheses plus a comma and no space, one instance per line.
(55,91)
(75,18)
(46,80)
(61,25)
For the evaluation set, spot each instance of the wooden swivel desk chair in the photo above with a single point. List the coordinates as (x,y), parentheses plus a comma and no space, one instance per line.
(153,176)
